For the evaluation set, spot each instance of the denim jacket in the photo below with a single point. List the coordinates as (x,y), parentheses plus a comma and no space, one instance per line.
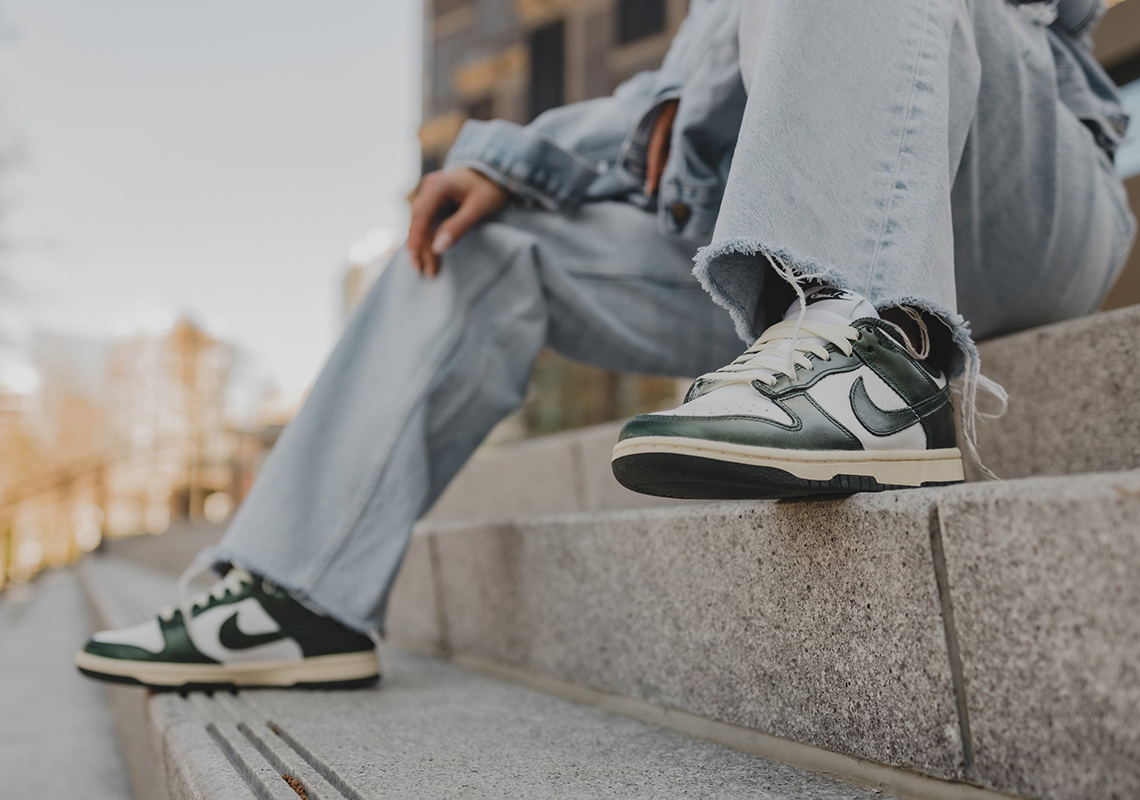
(598,148)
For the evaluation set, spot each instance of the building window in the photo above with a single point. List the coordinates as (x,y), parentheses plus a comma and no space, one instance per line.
(547,67)
(638,19)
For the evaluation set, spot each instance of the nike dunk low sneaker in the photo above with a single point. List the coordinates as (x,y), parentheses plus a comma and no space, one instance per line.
(832,400)
(243,632)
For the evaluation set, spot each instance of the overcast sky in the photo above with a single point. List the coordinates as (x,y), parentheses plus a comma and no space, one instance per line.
(214,158)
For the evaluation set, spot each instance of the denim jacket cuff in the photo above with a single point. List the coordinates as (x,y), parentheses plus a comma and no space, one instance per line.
(524,162)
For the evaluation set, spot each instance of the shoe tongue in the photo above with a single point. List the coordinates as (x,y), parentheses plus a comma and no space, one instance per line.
(832,306)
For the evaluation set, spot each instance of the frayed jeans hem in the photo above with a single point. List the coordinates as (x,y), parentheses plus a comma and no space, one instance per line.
(737,287)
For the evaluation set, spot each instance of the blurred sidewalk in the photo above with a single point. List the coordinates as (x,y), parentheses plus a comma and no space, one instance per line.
(57,736)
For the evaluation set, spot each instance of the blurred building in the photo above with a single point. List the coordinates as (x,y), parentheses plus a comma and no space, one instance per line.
(514,59)
(118,438)
(168,395)
(365,260)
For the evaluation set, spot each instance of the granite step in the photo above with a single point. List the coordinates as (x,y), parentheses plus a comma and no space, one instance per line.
(985,633)
(1074,394)
(431,729)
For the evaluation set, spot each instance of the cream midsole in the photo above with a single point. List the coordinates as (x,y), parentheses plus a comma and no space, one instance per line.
(318,669)
(899,467)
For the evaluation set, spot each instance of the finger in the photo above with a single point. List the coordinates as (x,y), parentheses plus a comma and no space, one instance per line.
(662,161)
(430,261)
(653,164)
(424,208)
(474,208)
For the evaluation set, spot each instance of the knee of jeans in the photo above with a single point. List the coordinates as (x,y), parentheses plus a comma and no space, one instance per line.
(488,245)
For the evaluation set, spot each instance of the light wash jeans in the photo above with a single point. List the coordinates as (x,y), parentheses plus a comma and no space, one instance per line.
(913,150)
(917,152)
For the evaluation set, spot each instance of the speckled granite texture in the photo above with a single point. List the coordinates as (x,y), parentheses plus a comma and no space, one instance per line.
(818,622)
(1074,398)
(1047,604)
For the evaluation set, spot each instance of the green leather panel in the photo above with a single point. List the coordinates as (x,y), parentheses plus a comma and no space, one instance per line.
(875,419)
(231,637)
(317,635)
(812,429)
(178,650)
(804,380)
(879,350)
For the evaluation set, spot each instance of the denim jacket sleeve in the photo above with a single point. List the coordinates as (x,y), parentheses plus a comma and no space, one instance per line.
(1079,17)
(553,161)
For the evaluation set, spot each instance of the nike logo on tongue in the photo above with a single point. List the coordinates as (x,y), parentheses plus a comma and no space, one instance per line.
(832,306)
(827,293)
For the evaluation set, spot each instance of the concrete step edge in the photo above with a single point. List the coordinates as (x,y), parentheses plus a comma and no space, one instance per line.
(215,746)
(592,598)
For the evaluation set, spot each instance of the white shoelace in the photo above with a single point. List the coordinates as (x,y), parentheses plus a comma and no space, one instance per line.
(781,350)
(234,581)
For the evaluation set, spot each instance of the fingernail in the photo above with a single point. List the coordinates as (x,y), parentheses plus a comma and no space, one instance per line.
(441,243)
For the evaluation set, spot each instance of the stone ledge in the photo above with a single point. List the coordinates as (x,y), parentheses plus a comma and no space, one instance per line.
(431,730)
(756,614)
(1073,398)
(818,622)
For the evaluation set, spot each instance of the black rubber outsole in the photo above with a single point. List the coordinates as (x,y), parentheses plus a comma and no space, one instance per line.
(695,478)
(356,683)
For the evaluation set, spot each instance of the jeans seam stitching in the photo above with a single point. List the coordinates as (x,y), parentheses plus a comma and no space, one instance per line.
(902,143)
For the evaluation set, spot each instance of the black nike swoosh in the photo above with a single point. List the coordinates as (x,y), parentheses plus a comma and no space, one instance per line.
(875,419)
(828,294)
(231,637)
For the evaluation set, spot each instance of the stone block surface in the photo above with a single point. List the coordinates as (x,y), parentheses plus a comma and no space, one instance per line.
(430,730)
(413,616)
(528,477)
(1073,390)
(562,472)
(434,730)
(819,622)
(1043,580)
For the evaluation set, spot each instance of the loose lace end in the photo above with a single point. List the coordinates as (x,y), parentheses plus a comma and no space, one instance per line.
(974,381)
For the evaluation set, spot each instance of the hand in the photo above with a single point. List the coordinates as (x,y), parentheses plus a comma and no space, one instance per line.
(660,141)
(474,196)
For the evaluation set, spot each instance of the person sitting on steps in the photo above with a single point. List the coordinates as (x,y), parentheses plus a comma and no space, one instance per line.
(865,188)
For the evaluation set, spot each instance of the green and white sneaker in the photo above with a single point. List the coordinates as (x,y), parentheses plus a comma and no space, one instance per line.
(834,402)
(242,632)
